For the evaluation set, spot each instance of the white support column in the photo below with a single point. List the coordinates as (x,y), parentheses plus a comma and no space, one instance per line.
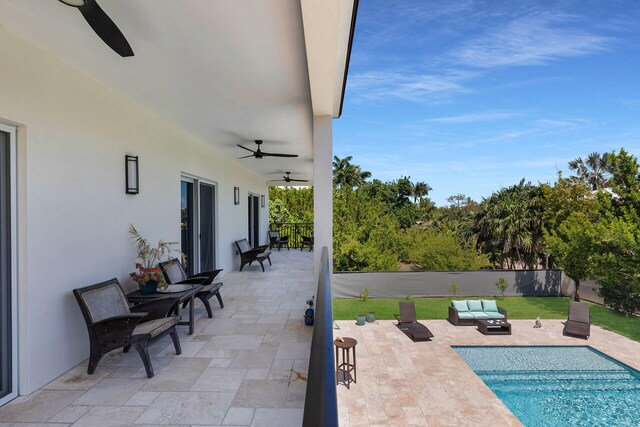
(322,188)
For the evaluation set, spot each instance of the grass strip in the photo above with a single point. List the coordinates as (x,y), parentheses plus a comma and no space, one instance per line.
(517,308)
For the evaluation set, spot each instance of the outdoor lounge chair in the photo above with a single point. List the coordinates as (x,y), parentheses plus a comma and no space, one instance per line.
(276,240)
(249,254)
(408,322)
(306,241)
(174,274)
(112,324)
(579,320)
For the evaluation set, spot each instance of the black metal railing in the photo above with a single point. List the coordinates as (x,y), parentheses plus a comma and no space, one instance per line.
(295,231)
(321,400)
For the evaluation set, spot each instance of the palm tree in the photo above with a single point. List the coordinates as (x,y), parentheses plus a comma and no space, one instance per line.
(346,174)
(420,190)
(510,222)
(594,171)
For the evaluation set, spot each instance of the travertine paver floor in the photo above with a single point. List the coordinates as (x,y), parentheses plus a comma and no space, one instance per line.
(235,370)
(402,383)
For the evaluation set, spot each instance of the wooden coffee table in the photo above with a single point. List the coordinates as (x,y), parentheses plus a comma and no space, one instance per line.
(494,327)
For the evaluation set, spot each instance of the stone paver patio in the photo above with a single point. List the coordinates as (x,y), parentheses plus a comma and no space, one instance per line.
(245,367)
(402,383)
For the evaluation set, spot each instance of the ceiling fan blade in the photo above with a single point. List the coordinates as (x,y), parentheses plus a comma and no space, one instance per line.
(244,157)
(278,155)
(248,149)
(105,28)
(299,180)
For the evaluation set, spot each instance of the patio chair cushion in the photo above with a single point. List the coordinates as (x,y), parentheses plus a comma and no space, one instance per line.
(465,315)
(494,315)
(474,305)
(480,315)
(155,327)
(105,302)
(489,306)
(174,272)
(460,306)
(212,287)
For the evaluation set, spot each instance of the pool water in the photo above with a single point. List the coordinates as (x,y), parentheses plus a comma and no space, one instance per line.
(557,385)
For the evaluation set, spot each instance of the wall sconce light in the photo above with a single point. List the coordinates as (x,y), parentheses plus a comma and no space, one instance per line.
(236,195)
(132,176)
(262,200)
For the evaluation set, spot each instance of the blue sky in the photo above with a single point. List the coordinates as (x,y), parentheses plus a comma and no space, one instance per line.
(470,96)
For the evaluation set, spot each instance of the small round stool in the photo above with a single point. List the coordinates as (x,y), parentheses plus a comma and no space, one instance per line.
(346,366)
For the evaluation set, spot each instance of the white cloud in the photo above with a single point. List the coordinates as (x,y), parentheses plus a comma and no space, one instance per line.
(486,116)
(530,40)
(412,86)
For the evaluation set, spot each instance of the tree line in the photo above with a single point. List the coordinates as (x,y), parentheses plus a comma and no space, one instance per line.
(587,223)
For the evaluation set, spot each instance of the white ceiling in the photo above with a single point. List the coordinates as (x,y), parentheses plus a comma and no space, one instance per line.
(226,71)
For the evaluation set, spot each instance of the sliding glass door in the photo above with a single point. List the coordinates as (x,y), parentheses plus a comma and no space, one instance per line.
(254,220)
(8,297)
(198,224)
(207,227)
(187,224)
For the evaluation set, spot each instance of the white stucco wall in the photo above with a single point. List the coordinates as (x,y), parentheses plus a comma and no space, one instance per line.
(322,188)
(73,133)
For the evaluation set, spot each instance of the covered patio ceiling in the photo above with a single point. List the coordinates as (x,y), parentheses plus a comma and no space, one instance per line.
(228,72)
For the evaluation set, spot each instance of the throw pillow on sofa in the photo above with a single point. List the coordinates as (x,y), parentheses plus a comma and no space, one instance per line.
(474,305)
(489,305)
(461,306)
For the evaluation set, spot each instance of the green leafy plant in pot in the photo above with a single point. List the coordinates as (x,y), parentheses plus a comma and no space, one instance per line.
(148,276)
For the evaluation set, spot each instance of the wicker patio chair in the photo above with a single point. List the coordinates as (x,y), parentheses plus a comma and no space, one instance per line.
(112,324)
(306,241)
(174,274)
(579,320)
(276,240)
(249,254)
(408,322)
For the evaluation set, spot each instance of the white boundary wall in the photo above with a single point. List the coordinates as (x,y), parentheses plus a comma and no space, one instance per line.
(398,284)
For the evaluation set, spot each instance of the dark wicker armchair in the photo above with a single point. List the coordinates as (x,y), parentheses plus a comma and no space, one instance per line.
(174,274)
(306,241)
(276,240)
(579,320)
(249,254)
(112,324)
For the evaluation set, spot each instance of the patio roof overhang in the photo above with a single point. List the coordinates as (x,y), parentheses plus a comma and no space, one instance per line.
(226,72)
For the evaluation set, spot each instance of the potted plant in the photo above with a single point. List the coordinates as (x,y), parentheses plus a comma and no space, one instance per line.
(361,319)
(148,276)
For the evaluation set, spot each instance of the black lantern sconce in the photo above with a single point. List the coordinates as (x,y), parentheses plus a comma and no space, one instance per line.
(236,195)
(132,176)
(262,200)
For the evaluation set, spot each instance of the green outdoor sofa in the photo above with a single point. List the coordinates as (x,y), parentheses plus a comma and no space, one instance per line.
(468,312)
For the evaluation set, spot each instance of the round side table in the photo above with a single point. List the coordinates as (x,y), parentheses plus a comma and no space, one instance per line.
(346,367)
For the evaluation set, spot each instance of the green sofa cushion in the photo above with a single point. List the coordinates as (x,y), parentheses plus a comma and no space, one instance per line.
(496,315)
(474,305)
(465,315)
(480,315)
(460,305)
(489,306)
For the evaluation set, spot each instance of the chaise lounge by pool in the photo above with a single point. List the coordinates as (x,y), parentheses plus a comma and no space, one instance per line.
(558,385)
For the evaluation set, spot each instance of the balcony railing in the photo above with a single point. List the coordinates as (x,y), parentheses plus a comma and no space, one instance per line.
(295,231)
(321,400)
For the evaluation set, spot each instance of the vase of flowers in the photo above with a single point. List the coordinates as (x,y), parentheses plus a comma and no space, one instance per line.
(147,275)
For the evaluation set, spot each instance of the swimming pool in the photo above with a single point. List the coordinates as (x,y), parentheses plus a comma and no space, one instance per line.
(558,385)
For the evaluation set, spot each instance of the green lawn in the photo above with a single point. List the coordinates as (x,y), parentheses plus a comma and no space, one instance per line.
(517,308)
